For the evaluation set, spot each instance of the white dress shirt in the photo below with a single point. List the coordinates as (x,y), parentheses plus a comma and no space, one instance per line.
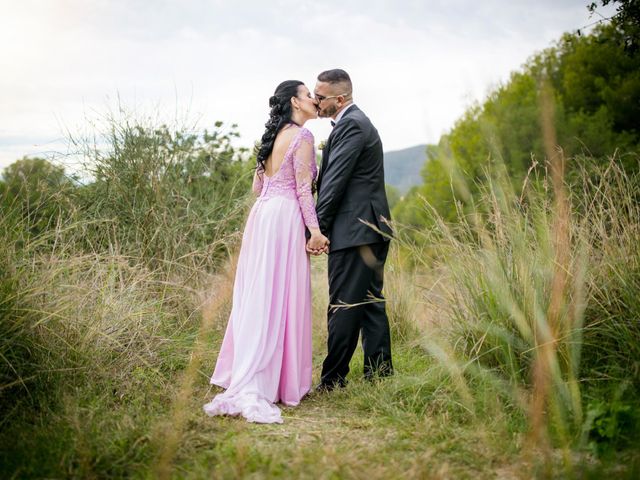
(342,112)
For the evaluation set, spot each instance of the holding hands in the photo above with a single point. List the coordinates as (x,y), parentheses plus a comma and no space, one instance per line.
(318,243)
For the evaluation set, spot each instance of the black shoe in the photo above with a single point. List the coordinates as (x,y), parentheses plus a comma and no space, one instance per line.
(374,375)
(324,387)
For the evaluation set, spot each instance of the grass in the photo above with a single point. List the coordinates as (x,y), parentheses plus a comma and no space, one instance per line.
(409,425)
(515,337)
(113,421)
(414,425)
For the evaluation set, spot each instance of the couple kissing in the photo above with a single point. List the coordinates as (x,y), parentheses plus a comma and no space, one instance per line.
(266,356)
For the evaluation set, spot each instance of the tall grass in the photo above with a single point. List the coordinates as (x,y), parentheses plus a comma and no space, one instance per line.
(162,193)
(102,302)
(538,294)
(610,205)
(519,321)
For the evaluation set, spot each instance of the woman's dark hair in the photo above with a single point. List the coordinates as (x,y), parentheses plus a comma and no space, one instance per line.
(279,116)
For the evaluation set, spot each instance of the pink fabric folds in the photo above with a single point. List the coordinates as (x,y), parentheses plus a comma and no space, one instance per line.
(266,352)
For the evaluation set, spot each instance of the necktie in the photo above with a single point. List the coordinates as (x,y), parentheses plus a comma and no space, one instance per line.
(333,124)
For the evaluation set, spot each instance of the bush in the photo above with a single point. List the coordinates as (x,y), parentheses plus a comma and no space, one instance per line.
(164,195)
(99,285)
(541,300)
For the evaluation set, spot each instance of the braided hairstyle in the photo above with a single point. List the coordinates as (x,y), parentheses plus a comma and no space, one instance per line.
(279,116)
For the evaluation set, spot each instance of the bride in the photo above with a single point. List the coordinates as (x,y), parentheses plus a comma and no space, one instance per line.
(266,352)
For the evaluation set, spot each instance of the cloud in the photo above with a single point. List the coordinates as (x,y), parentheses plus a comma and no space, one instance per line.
(415,65)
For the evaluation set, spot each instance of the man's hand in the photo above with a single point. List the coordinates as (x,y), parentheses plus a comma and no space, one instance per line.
(317,252)
(318,243)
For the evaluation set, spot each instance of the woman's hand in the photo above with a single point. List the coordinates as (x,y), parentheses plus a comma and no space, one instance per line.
(318,243)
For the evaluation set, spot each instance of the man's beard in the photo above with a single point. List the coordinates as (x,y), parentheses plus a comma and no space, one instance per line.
(328,112)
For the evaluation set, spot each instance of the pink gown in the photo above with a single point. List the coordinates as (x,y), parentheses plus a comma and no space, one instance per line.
(266,352)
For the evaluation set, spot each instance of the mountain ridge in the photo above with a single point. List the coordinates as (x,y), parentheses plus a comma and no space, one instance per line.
(402,167)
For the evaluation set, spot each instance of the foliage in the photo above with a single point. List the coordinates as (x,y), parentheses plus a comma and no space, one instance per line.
(393,195)
(500,263)
(163,194)
(613,425)
(106,290)
(94,275)
(609,203)
(597,97)
(627,20)
(35,193)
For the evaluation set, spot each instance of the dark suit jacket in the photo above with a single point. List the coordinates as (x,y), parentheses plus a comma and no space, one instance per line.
(351,184)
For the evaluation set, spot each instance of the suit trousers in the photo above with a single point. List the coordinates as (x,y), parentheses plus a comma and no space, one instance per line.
(356,305)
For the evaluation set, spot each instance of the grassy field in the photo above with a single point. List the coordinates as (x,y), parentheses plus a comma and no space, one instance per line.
(410,425)
(515,329)
(148,422)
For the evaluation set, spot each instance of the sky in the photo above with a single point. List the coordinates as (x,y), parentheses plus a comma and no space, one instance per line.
(415,65)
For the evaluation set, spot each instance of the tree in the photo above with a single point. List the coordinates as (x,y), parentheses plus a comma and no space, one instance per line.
(627,20)
(597,106)
(36,192)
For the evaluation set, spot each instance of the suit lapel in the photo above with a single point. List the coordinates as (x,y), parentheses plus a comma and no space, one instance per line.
(326,151)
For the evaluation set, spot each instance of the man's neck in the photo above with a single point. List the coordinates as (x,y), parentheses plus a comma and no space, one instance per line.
(342,109)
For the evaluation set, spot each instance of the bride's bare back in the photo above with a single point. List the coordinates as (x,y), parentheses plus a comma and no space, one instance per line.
(280,146)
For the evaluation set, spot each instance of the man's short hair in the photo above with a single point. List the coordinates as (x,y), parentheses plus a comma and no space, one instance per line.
(335,76)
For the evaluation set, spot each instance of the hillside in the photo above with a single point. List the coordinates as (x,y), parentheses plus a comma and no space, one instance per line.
(402,167)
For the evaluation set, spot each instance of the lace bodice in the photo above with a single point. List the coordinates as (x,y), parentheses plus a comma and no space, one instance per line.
(294,178)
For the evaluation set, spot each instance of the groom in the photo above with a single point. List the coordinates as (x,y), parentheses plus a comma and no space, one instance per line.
(351,190)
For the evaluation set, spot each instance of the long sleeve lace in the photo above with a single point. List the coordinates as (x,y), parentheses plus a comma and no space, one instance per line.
(258,180)
(305,168)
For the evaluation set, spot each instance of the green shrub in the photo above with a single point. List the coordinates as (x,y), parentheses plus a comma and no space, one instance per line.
(163,194)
